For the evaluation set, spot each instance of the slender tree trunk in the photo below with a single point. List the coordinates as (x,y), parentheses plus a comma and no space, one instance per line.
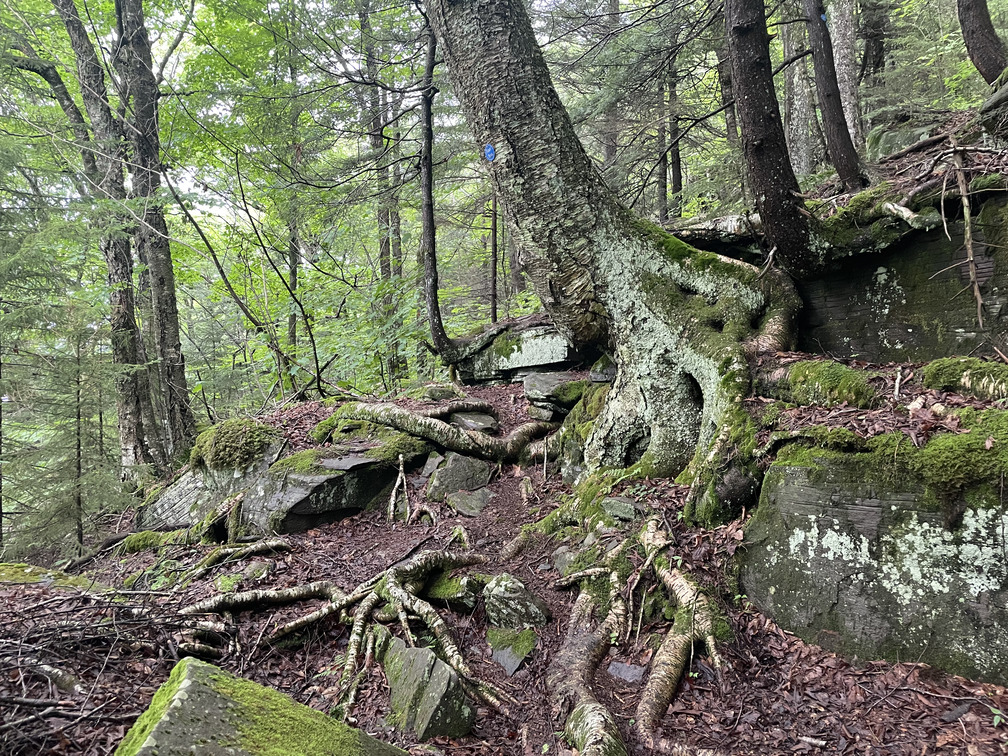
(843,27)
(152,232)
(293,266)
(874,31)
(838,137)
(3,396)
(727,95)
(770,174)
(661,185)
(107,149)
(983,45)
(610,120)
(675,164)
(78,483)
(799,110)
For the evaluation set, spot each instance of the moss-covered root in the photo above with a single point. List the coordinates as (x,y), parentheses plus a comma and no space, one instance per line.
(969,376)
(235,554)
(459,405)
(590,727)
(694,621)
(471,443)
(246,600)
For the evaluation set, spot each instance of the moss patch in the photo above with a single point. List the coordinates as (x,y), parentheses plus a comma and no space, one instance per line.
(232,444)
(302,463)
(20,573)
(149,540)
(521,642)
(829,383)
(969,376)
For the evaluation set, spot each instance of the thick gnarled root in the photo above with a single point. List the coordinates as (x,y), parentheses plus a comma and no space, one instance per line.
(392,596)
(471,443)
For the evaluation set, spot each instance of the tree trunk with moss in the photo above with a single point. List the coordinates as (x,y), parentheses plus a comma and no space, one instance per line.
(679,323)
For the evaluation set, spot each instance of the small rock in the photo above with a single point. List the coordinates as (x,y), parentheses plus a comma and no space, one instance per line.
(511,647)
(434,461)
(562,389)
(438,392)
(474,421)
(631,673)
(458,473)
(563,557)
(509,604)
(469,503)
(620,507)
(603,371)
(539,413)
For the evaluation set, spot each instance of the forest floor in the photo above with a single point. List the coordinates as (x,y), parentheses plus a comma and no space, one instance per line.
(778,694)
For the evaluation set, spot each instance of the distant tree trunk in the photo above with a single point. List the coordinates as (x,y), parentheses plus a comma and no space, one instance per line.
(2,398)
(874,31)
(838,137)
(78,483)
(152,232)
(801,124)
(983,45)
(842,27)
(293,267)
(428,240)
(727,95)
(661,185)
(770,174)
(610,120)
(675,165)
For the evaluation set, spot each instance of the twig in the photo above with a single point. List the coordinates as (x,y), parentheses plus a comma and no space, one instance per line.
(957,160)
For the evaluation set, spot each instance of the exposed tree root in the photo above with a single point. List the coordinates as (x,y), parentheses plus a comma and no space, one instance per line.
(458,405)
(471,443)
(390,596)
(236,553)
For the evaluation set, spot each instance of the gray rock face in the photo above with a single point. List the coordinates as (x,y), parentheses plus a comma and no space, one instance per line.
(510,605)
(469,503)
(458,473)
(204,710)
(862,563)
(553,389)
(475,421)
(426,696)
(630,673)
(603,371)
(620,507)
(540,413)
(518,352)
(563,557)
(511,647)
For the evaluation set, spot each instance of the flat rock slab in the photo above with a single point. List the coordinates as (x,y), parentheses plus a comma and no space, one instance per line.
(510,605)
(204,710)
(426,696)
(458,473)
(620,507)
(553,389)
(629,673)
(469,503)
(865,563)
(474,421)
(517,352)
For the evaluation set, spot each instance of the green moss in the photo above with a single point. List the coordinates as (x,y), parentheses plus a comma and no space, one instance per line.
(20,573)
(302,463)
(506,344)
(829,383)
(988,181)
(232,444)
(394,444)
(569,393)
(969,376)
(228,583)
(522,642)
(148,540)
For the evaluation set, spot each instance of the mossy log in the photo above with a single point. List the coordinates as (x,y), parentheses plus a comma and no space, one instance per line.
(470,443)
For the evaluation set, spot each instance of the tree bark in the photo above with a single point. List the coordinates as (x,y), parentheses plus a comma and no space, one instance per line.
(152,232)
(842,27)
(983,45)
(606,277)
(801,124)
(770,174)
(107,148)
(838,137)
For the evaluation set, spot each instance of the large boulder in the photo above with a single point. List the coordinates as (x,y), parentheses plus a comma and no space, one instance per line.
(241,462)
(426,695)
(510,605)
(891,551)
(528,346)
(204,710)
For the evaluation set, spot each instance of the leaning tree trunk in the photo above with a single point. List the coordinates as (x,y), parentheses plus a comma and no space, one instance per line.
(677,321)
(983,44)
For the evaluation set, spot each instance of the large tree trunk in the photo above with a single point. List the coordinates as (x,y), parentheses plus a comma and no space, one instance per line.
(843,31)
(838,137)
(152,232)
(770,173)
(677,321)
(983,44)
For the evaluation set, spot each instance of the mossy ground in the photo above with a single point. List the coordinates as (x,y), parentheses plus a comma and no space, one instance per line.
(232,444)
(28,573)
(829,383)
(149,540)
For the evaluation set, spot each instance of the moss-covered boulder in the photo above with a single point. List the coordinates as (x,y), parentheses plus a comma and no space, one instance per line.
(890,551)
(458,473)
(969,376)
(203,709)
